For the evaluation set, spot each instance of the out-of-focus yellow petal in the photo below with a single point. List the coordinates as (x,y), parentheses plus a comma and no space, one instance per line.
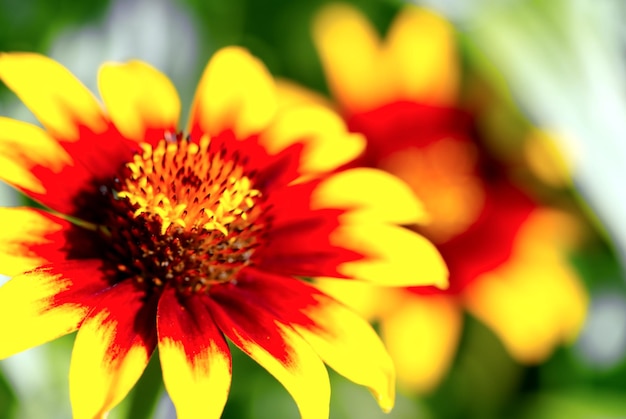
(24,146)
(350,51)
(423,54)
(394,256)
(327,142)
(549,231)
(444,176)
(422,336)
(52,93)
(349,345)
(111,351)
(374,195)
(194,357)
(235,92)
(292,94)
(547,160)
(531,306)
(29,315)
(139,99)
(535,301)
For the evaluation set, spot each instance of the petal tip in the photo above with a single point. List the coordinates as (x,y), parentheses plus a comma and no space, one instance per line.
(443,283)
(236,92)
(386,404)
(386,399)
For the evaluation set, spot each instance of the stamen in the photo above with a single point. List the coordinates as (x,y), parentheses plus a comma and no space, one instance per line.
(227,193)
(187,216)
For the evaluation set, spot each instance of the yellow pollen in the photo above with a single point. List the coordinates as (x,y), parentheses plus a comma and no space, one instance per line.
(182,184)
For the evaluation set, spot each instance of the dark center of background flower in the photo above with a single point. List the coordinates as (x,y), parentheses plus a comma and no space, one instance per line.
(183,215)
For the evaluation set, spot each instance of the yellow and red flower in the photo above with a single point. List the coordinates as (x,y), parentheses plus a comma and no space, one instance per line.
(151,238)
(506,253)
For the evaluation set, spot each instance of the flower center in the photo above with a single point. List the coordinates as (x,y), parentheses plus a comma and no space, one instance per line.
(182,215)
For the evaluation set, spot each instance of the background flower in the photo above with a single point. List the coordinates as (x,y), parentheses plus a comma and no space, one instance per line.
(506,253)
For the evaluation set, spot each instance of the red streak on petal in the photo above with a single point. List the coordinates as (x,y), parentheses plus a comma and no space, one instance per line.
(286,297)
(188,321)
(303,247)
(81,282)
(292,203)
(243,319)
(130,316)
(97,157)
(49,245)
(61,186)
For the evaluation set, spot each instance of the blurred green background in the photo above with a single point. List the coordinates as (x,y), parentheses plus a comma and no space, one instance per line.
(563,63)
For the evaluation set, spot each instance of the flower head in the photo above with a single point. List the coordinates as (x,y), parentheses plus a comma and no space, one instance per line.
(505,252)
(152,238)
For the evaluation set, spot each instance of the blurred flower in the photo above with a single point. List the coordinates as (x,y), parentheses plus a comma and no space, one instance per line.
(506,254)
(564,61)
(154,238)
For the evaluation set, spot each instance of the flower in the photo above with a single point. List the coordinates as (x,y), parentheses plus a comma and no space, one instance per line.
(152,238)
(505,252)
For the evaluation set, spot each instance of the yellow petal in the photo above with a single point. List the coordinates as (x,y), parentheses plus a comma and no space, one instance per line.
(306,380)
(421,46)
(139,99)
(549,232)
(292,94)
(111,350)
(422,336)
(235,92)
(394,256)
(547,160)
(23,231)
(535,301)
(194,357)
(373,196)
(58,100)
(370,301)
(281,351)
(532,305)
(350,51)
(350,346)
(24,146)
(31,315)
(327,143)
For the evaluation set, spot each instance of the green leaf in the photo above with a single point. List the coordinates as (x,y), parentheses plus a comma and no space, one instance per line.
(8,400)
(578,404)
